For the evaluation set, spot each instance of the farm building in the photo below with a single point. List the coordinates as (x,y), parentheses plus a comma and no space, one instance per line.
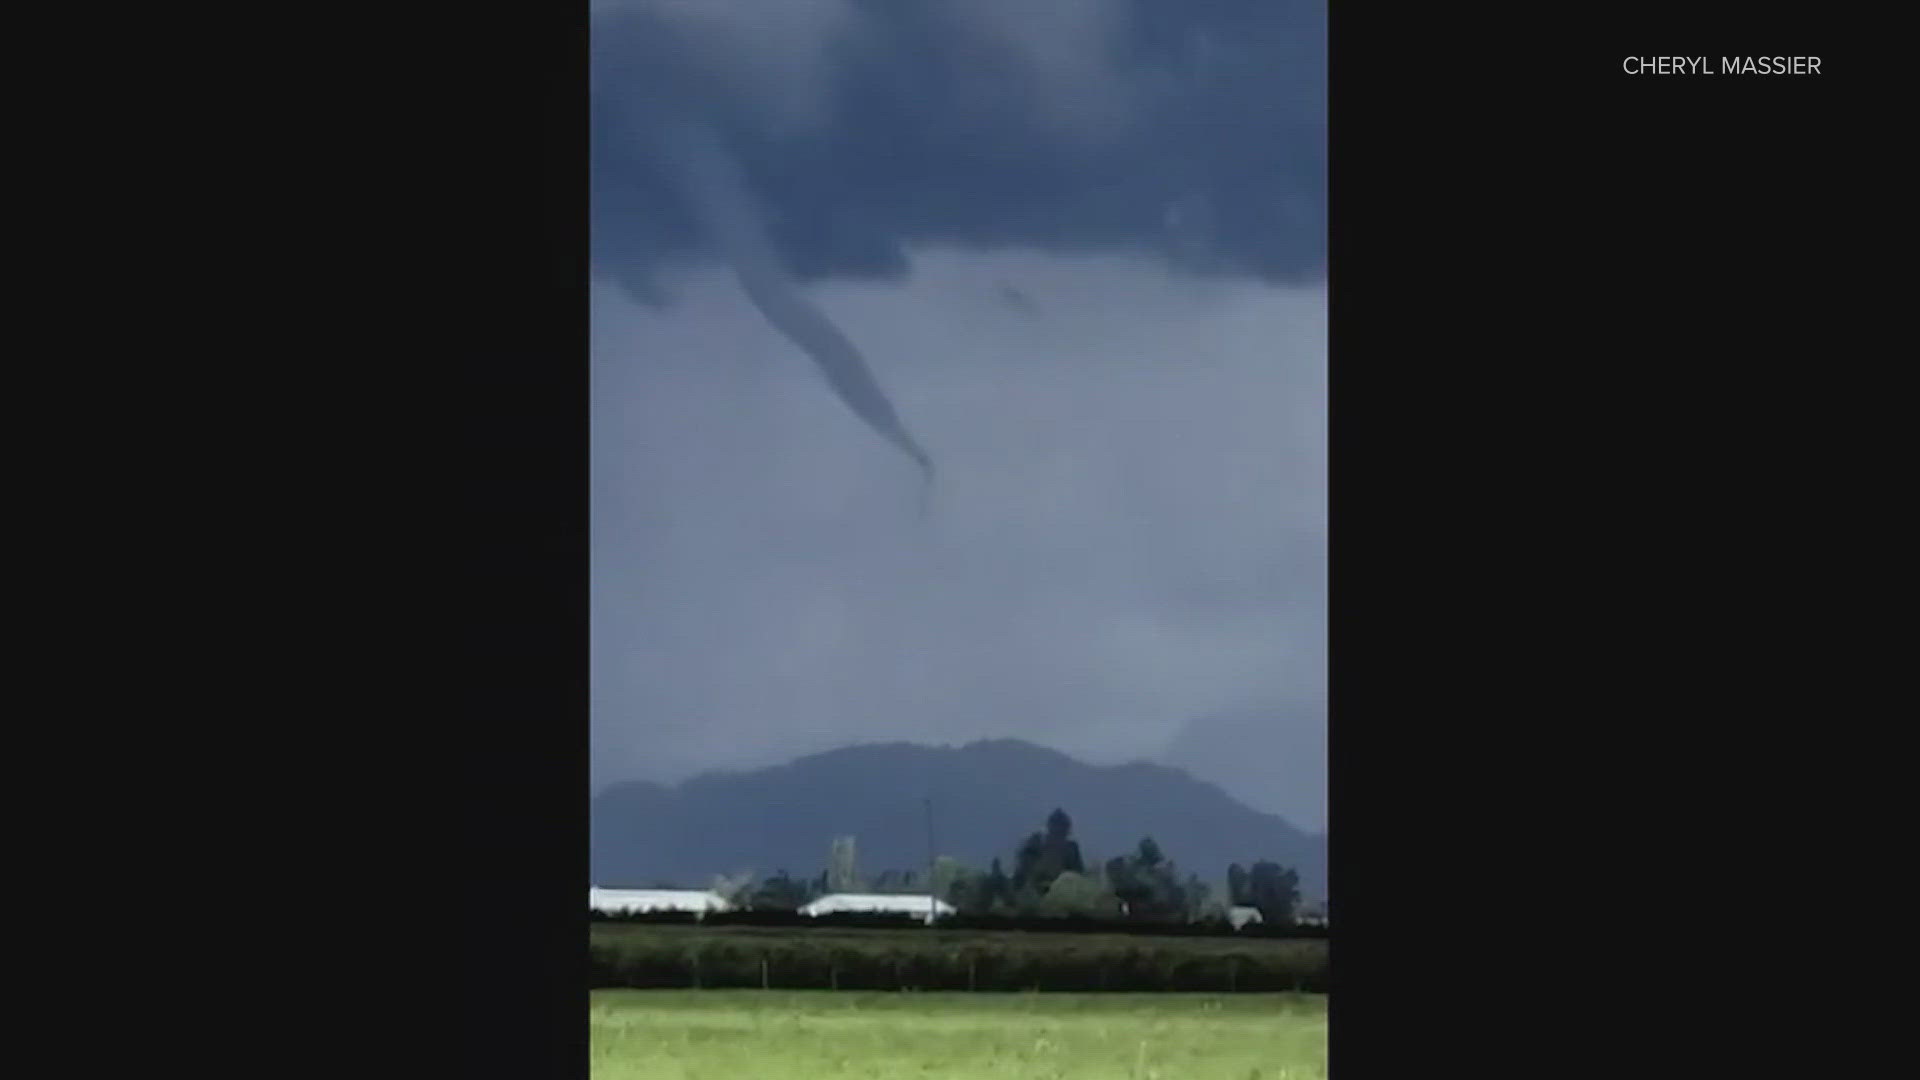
(874,903)
(1241,916)
(615,901)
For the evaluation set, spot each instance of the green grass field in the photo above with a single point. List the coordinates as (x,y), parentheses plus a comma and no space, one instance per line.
(821,1035)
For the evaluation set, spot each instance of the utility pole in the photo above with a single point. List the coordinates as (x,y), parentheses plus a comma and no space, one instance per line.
(932,902)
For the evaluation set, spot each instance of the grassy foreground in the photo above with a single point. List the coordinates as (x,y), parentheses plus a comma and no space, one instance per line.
(814,1035)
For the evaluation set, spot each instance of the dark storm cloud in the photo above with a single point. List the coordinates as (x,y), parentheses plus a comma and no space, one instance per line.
(1192,128)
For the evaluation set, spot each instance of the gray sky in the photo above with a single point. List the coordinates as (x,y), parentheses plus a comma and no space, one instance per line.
(1111,344)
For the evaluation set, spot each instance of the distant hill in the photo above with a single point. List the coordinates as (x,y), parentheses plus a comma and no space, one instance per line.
(1272,758)
(987,796)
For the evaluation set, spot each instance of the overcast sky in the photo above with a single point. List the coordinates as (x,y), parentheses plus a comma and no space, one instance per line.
(1082,254)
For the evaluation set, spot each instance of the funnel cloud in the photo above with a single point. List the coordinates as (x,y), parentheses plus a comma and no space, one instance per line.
(714,186)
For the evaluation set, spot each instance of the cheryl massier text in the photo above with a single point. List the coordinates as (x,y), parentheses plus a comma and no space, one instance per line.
(1727,65)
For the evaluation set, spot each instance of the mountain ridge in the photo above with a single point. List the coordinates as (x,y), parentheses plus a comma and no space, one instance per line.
(987,795)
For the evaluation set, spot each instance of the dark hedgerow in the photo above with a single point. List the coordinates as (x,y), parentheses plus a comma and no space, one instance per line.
(648,918)
(863,959)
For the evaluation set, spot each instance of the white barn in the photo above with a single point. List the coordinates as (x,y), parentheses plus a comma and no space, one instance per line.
(876,903)
(618,901)
(1241,916)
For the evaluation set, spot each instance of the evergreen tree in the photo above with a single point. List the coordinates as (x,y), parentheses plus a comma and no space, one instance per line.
(1044,856)
(1026,862)
(1147,883)
(1275,890)
(1239,893)
(999,889)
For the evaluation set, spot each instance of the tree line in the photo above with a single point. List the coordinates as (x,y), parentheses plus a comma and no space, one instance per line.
(1049,878)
